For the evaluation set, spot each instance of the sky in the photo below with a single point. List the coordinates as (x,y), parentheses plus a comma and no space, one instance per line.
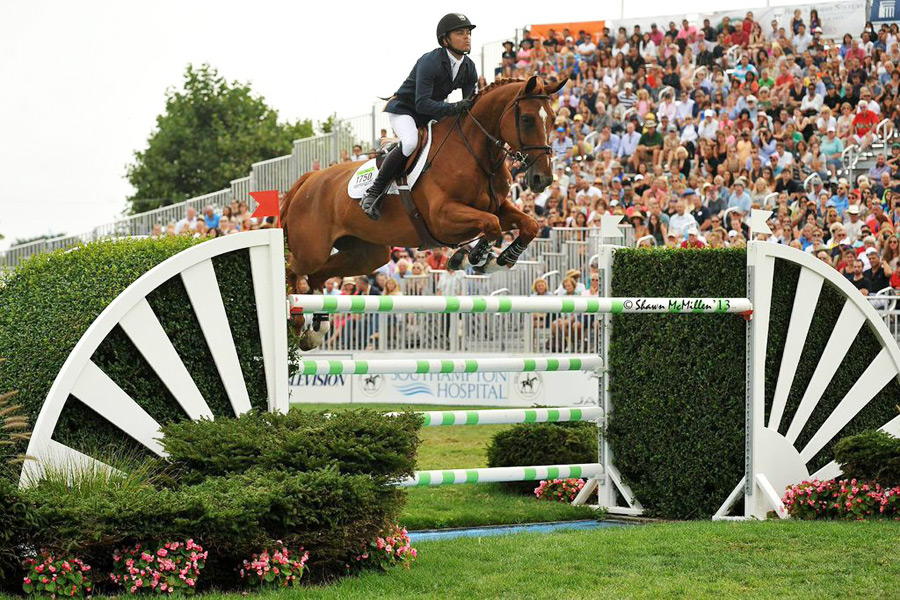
(83,81)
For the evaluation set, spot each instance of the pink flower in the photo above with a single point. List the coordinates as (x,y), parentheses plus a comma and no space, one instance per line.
(161,552)
(27,581)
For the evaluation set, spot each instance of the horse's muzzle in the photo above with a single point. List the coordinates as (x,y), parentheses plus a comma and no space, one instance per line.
(538,182)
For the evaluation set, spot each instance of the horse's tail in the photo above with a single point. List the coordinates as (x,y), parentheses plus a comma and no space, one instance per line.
(287,200)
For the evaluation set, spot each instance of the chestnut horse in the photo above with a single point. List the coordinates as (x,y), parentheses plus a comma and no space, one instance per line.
(463,193)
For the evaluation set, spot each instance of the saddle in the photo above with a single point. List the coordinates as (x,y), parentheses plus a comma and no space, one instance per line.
(414,168)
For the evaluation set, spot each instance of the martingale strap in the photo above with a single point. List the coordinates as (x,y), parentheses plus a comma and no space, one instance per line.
(416,217)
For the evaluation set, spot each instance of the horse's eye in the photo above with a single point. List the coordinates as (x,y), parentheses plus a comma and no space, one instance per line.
(528,119)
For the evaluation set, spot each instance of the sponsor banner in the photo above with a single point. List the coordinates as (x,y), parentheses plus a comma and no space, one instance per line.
(837,18)
(574,388)
(883,10)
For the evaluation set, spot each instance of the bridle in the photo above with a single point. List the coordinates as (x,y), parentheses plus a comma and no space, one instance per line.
(520,154)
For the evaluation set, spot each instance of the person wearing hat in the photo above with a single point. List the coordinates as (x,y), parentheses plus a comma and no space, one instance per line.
(832,148)
(672,239)
(709,125)
(853,225)
(562,145)
(627,97)
(739,198)
(649,145)
(422,97)
(864,125)
(693,239)
(575,275)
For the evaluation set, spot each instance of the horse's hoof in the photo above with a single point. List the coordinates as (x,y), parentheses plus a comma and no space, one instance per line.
(490,266)
(456,261)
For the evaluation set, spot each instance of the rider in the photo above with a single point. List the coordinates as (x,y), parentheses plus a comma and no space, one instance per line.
(422,98)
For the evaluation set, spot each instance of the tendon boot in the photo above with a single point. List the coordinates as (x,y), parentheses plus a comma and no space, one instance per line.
(391,167)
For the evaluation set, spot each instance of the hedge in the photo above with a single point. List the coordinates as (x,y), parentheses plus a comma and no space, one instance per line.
(49,301)
(677,381)
(354,441)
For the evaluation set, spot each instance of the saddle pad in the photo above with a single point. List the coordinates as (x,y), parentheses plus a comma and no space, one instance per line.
(366,174)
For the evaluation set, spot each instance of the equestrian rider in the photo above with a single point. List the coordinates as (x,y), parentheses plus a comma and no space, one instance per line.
(422,98)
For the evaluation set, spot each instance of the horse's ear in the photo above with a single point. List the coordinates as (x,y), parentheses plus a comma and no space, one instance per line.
(530,85)
(555,87)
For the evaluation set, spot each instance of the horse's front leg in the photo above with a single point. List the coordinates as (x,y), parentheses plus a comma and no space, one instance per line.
(513,218)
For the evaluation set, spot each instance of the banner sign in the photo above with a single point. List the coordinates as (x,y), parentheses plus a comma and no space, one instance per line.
(572,388)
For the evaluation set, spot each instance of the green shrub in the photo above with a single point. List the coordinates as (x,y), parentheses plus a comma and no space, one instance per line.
(542,444)
(353,441)
(330,514)
(870,456)
(17,520)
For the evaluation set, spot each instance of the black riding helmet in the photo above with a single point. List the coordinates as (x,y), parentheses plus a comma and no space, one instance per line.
(452,22)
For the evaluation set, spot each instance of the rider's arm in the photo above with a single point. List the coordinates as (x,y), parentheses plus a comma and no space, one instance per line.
(425,74)
(468,86)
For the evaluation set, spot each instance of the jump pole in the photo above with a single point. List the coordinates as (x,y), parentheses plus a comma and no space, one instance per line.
(308,303)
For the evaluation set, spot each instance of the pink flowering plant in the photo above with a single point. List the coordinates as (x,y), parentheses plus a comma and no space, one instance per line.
(57,575)
(172,568)
(274,569)
(561,490)
(842,499)
(387,550)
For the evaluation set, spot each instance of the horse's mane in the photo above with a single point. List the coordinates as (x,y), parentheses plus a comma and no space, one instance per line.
(497,83)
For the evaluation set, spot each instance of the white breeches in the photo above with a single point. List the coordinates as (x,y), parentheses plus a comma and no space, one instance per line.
(404,127)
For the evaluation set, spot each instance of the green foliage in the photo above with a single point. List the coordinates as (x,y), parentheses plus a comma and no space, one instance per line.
(870,456)
(542,444)
(357,441)
(16,520)
(211,132)
(49,301)
(677,382)
(328,513)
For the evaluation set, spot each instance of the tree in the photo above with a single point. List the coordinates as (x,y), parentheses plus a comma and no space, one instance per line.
(210,133)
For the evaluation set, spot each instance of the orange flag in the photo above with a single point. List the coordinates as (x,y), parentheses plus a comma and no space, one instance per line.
(268,205)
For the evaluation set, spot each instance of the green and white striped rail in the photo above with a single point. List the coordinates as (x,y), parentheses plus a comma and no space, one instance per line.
(385,366)
(512,304)
(501,474)
(511,416)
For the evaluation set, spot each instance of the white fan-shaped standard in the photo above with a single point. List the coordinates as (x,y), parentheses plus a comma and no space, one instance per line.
(82,378)
(775,460)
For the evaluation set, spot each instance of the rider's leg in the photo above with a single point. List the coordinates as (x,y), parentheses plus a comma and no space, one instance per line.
(405,128)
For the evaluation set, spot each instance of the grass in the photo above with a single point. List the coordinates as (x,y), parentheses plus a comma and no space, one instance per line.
(463,447)
(668,560)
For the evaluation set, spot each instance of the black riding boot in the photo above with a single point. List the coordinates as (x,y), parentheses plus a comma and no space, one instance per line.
(391,167)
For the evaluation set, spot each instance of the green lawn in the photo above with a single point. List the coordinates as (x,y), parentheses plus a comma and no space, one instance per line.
(669,560)
(463,447)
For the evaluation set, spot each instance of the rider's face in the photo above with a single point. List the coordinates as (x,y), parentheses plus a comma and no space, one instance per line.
(461,40)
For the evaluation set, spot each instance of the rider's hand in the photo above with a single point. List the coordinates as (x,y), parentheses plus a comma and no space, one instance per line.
(461,106)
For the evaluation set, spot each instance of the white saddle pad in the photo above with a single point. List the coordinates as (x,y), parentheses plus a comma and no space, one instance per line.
(366,174)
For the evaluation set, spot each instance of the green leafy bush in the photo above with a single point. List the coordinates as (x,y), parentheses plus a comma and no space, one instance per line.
(542,444)
(353,441)
(17,520)
(330,514)
(870,456)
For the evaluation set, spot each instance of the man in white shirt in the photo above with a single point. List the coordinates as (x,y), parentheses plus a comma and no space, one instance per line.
(629,141)
(681,219)
(189,221)
(802,39)
(709,126)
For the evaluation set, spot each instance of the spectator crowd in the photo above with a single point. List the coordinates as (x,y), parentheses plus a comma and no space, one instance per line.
(683,129)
